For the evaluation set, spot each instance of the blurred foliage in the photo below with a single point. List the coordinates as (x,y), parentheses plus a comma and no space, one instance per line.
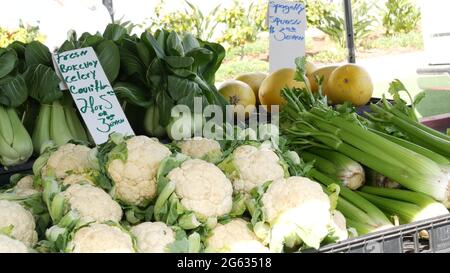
(240,26)
(400,16)
(317,10)
(403,40)
(364,22)
(190,20)
(24,33)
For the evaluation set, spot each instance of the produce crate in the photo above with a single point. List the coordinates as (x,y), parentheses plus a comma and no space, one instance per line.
(428,236)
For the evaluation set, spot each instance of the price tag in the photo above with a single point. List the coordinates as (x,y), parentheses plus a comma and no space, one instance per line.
(92,92)
(287,26)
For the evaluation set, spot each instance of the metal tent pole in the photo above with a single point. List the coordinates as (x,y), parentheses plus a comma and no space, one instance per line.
(109,6)
(349,31)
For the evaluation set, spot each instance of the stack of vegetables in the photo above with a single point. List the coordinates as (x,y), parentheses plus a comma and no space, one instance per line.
(332,174)
(134,194)
(312,126)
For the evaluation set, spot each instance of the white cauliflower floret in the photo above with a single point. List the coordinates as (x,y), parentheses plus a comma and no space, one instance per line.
(25,187)
(101,238)
(201,148)
(297,204)
(203,188)
(22,221)
(76,178)
(255,166)
(92,203)
(153,237)
(10,245)
(338,225)
(234,237)
(135,179)
(67,159)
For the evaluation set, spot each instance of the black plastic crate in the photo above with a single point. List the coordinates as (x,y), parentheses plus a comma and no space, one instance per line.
(427,236)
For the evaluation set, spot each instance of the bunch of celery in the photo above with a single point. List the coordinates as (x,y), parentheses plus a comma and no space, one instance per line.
(400,120)
(309,121)
(408,206)
(336,165)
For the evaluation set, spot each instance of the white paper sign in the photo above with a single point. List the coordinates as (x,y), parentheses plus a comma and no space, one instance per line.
(287,26)
(87,82)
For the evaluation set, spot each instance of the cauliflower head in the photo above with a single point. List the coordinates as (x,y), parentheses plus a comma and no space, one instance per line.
(25,186)
(10,245)
(66,160)
(92,203)
(153,237)
(202,188)
(234,237)
(21,220)
(253,166)
(101,238)
(201,148)
(297,211)
(75,178)
(135,178)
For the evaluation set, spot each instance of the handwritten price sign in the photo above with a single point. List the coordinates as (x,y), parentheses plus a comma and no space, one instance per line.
(287,26)
(87,82)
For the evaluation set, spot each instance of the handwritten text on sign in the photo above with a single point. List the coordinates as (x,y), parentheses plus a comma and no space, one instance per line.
(92,93)
(287,26)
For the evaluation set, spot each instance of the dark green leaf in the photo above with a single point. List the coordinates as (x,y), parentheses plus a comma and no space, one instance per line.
(202,56)
(148,45)
(161,37)
(174,45)
(179,87)
(13,91)
(37,53)
(179,62)
(184,73)
(208,71)
(155,45)
(143,53)
(8,61)
(131,63)
(109,57)
(165,104)
(19,47)
(43,84)
(133,94)
(114,32)
(190,42)
(66,46)
(92,40)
